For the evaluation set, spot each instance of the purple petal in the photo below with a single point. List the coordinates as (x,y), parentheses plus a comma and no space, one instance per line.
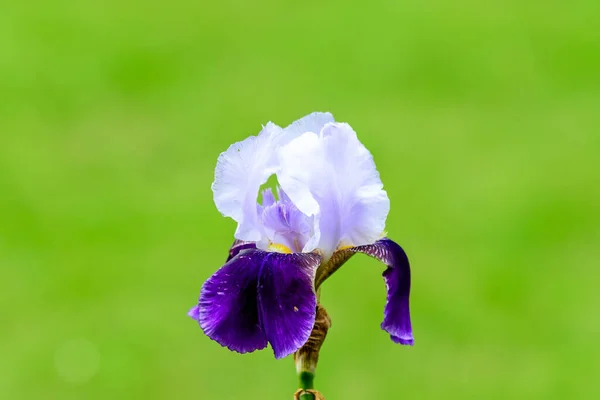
(285,224)
(228,309)
(239,245)
(259,297)
(396,319)
(268,198)
(287,299)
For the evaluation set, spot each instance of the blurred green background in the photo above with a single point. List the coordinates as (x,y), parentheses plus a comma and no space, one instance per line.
(484,121)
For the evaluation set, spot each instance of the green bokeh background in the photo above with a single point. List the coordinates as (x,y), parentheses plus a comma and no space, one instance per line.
(484,121)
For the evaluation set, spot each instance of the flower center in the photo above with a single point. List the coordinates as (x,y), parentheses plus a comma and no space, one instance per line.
(286,228)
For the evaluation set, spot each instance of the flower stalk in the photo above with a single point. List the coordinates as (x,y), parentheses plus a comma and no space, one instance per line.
(307,357)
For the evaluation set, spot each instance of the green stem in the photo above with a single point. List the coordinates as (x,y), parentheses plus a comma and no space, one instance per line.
(307,382)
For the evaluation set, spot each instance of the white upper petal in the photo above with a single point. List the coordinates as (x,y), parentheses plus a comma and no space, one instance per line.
(240,172)
(246,165)
(313,122)
(333,177)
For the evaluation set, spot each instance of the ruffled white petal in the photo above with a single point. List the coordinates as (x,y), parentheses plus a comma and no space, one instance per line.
(246,165)
(313,122)
(333,177)
(335,195)
(240,172)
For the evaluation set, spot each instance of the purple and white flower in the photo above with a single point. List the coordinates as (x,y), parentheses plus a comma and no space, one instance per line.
(330,204)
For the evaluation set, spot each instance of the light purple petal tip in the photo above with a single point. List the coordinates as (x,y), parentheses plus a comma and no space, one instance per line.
(194,312)
(396,319)
(407,341)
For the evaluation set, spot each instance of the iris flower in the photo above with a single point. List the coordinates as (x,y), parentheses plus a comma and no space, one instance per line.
(329,205)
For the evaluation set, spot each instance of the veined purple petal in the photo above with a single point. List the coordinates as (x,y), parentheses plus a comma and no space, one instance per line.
(239,245)
(396,319)
(285,224)
(228,310)
(259,297)
(287,299)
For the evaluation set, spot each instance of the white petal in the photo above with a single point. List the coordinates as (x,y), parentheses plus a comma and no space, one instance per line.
(313,122)
(240,172)
(333,177)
